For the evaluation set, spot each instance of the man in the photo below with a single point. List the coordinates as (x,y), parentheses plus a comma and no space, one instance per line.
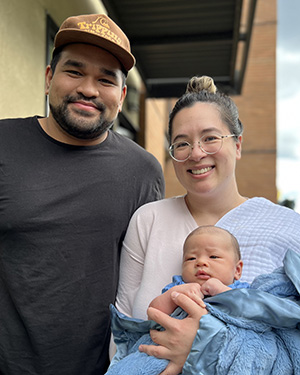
(68,187)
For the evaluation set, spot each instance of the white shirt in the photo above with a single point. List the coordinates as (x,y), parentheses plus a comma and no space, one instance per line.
(153,246)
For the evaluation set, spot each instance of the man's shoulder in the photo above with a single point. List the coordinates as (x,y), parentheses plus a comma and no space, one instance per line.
(9,122)
(129,148)
(123,141)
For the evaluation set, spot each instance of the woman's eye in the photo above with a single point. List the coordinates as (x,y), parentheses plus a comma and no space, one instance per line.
(181,145)
(210,138)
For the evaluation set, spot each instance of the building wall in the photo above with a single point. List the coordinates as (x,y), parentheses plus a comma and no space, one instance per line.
(23,52)
(155,131)
(22,65)
(256,171)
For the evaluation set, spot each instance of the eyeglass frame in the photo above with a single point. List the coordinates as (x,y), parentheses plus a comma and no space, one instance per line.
(199,144)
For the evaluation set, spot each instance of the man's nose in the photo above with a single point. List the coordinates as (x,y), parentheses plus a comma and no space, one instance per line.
(88,87)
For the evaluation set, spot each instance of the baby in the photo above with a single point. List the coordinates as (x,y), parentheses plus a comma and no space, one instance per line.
(211,264)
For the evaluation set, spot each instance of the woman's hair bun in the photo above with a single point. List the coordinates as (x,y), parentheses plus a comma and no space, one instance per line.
(197,84)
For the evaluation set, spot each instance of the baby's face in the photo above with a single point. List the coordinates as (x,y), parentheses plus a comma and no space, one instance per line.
(209,255)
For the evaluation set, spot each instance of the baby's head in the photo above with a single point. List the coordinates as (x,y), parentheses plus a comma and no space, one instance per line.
(211,251)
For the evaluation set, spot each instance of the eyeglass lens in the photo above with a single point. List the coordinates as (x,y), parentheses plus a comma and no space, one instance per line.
(210,144)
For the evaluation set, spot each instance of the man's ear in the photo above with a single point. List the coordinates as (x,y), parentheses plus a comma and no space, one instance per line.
(48,79)
(122,98)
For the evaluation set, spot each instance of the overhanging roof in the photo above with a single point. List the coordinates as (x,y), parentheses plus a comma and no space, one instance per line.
(174,40)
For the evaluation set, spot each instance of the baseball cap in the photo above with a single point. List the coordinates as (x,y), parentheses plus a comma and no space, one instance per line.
(99,30)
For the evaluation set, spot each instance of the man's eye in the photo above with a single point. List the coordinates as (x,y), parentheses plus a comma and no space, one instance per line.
(74,72)
(106,81)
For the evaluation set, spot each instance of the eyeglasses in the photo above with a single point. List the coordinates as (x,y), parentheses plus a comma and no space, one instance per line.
(209,143)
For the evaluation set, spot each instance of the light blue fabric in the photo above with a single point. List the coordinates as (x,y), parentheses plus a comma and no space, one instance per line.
(258,331)
(128,334)
(253,331)
(177,280)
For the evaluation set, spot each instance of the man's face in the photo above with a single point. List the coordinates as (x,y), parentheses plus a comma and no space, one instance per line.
(86,91)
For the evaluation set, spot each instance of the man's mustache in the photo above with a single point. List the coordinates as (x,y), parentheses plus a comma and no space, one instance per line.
(100,106)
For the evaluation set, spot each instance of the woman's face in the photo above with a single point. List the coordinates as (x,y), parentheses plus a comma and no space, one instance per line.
(203,173)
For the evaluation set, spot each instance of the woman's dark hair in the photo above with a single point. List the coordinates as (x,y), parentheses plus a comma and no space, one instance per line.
(202,89)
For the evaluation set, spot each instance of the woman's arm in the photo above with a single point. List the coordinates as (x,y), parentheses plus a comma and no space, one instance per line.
(131,271)
(131,268)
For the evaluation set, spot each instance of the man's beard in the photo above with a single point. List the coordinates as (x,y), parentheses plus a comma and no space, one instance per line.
(79,128)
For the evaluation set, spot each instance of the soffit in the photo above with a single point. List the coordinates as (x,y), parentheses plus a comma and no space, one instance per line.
(173,40)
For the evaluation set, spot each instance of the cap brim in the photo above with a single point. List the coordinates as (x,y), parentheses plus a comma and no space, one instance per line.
(64,37)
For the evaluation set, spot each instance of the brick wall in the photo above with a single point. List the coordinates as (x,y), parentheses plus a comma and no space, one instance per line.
(256,171)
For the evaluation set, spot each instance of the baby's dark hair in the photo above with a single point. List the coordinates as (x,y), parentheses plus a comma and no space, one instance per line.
(203,90)
(213,229)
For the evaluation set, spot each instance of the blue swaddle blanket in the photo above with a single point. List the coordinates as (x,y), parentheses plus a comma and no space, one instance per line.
(247,331)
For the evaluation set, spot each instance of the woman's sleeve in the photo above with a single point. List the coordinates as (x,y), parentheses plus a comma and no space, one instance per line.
(131,265)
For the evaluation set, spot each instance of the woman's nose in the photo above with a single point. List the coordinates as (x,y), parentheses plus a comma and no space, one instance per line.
(196,152)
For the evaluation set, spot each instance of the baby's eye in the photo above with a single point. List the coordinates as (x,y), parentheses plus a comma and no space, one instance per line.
(214,257)
(190,258)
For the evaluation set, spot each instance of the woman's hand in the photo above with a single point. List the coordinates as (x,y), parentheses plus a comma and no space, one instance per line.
(176,341)
(191,290)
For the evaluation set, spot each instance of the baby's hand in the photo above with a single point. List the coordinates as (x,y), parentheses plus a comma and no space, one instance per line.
(213,286)
(191,290)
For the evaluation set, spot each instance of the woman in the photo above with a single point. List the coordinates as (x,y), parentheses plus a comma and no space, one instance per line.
(205,136)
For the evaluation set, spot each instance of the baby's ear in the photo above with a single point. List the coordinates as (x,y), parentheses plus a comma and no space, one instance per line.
(238,270)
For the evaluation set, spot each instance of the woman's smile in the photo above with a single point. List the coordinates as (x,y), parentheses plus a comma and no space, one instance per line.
(200,171)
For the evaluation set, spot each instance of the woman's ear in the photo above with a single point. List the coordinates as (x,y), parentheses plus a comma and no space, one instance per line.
(239,147)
